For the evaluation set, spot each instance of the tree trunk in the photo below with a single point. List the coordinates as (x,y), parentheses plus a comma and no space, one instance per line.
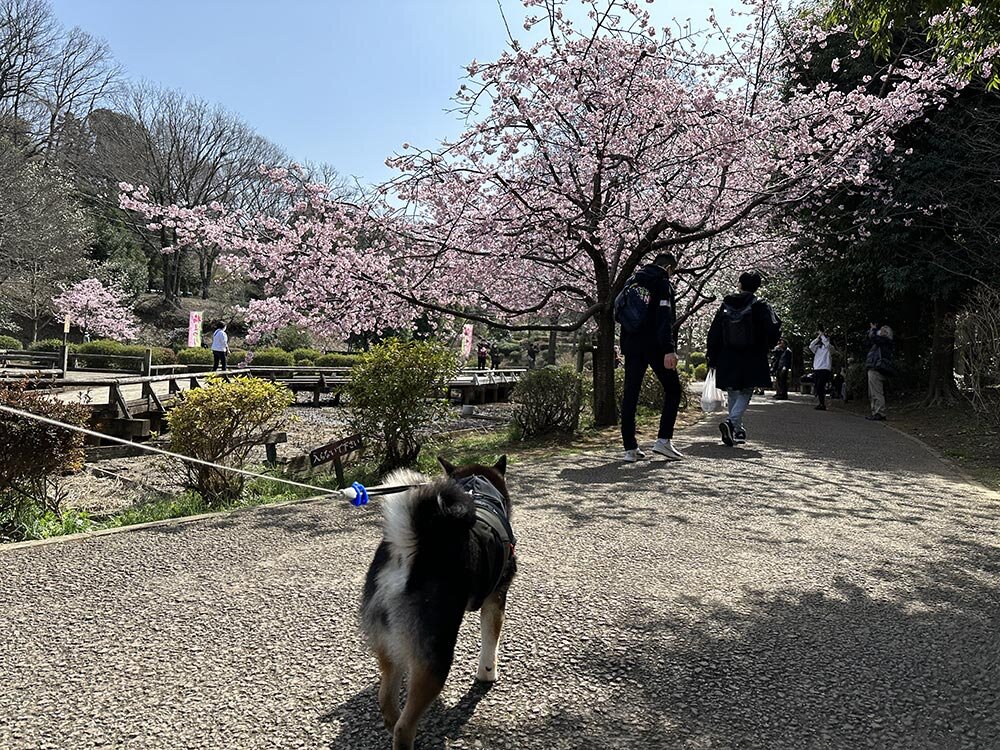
(941,388)
(605,403)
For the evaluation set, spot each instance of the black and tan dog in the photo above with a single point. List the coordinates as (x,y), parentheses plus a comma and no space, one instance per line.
(447,548)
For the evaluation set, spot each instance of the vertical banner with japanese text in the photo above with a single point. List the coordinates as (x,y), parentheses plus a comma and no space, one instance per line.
(194,329)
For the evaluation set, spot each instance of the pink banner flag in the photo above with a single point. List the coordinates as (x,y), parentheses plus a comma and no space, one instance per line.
(467,340)
(194,329)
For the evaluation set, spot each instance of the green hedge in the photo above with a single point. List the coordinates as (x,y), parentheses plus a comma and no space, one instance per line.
(198,355)
(547,399)
(9,342)
(48,345)
(272,357)
(106,354)
(697,358)
(701,371)
(306,353)
(337,360)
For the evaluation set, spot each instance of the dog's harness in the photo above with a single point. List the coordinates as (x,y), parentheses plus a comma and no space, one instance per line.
(492,532)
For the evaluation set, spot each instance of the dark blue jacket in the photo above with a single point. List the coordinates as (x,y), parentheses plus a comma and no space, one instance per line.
(656,334)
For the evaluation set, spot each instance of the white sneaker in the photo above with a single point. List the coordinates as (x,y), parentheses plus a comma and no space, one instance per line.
(666,449)
(631,456)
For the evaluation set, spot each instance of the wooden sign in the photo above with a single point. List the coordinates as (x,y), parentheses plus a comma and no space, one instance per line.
(339,449)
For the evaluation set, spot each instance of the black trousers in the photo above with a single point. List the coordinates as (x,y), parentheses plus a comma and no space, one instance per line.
(218,359)
(635,370)
(821,379)
(481,362)
(782,383)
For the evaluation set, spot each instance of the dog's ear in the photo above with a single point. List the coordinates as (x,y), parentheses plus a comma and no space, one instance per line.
(448,467)
(501,465)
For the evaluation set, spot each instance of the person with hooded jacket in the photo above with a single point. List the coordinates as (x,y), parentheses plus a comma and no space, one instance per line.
(744,330)
(652,346)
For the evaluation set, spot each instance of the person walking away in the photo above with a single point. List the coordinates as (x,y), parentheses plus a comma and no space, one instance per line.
(532,354)
(495,356)
(878,363)
(481,353)
(822,366)
(650,344)
(220,347)
(781,364)
(743,331)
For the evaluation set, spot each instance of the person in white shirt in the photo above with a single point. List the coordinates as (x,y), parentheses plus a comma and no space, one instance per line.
(220,347)
(822,365)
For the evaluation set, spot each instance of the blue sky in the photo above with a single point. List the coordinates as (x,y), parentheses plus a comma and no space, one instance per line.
(340,81)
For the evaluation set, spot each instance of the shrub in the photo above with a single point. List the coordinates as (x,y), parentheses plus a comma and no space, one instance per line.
(163,356)
(291,338)
(337,360)
(237,356)
(9,342)
(396,392)
(198,355)
(272,357)
(548,399)
(107,354)
(701,371)
(306,353)
(46,345)
(34,456)
(305,363)
(221,423)
(697,358)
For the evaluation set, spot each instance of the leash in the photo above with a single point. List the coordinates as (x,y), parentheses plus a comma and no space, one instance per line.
(357,493)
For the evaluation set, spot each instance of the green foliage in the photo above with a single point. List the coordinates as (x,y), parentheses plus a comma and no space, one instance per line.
(549,399)
(34,456)
(107,354)
(697,358)
(701,371)
(198,355)
(9,342)
(337,360)
(39,524)
(47,345)
(291,338)
(237,356)
(163,355)
(396,392)
(272,357)
(960,38)
(306,353)
(127,269)
(221,423)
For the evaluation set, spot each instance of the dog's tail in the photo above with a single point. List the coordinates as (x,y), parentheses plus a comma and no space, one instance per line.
(425,512)
(430,516)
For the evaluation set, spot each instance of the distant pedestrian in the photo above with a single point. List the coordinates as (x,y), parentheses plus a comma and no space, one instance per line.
(651,345)
(496,356)
(781,364)
(532,354)
(837,386)
(822,366)
(481,353)
(744,330)
(220,347)
(879,366)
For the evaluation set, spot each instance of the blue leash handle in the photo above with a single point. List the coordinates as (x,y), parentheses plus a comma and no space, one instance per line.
(360,495)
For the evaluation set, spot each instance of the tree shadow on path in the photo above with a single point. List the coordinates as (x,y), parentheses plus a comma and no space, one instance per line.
(915,666)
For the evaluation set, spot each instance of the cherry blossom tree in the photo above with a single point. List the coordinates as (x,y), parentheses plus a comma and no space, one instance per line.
(586,151)
(97,309)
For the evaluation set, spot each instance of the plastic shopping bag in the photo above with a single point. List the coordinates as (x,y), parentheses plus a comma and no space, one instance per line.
(712,399)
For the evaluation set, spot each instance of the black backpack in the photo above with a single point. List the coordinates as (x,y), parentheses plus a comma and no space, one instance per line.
(737,326)
(632,306)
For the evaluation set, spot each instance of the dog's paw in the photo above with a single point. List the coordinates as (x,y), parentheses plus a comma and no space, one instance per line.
(487,674)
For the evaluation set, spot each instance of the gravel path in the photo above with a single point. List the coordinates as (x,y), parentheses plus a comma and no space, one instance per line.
(830,585)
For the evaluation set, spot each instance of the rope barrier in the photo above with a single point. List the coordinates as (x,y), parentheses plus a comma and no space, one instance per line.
(357,493)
